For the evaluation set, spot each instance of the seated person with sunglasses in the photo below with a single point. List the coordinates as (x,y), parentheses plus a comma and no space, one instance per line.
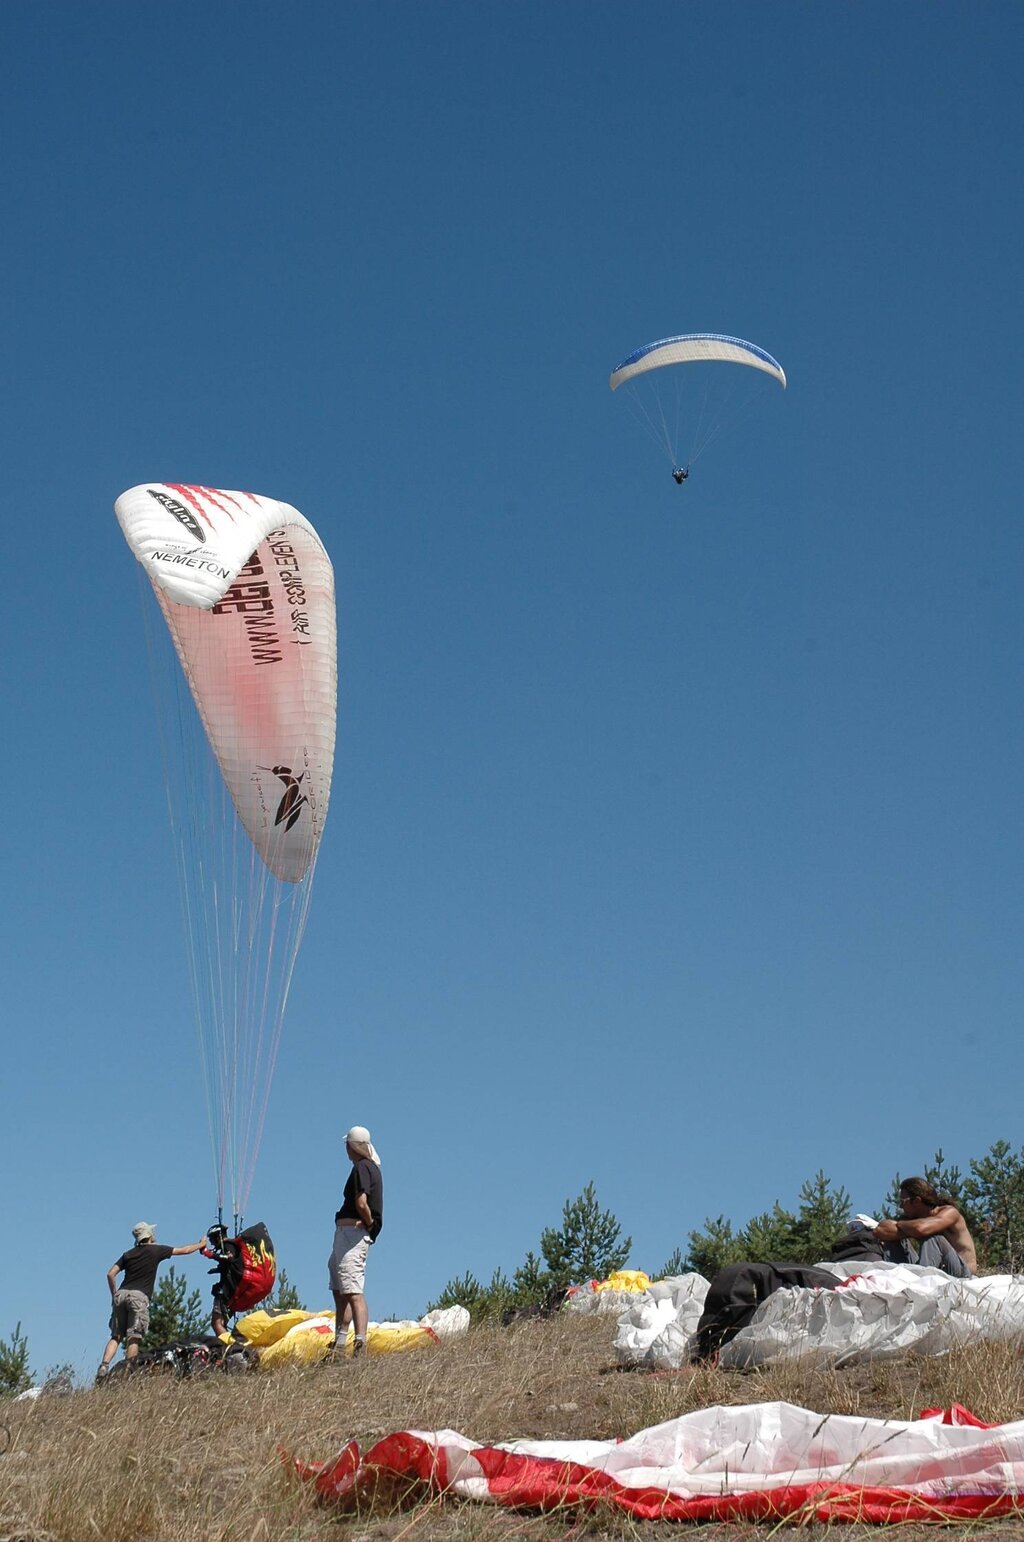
(931,1231)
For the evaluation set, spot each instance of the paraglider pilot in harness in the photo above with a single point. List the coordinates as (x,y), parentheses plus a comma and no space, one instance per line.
(245,1269)
(680,473)
(225,1252)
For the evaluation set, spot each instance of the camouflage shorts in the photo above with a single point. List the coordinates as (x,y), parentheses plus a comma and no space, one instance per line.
(130,1317)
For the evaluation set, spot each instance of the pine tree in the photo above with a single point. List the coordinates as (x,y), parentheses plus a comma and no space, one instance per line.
(775,1236)
(713,1248)
(588,1246)
(532,1285)
(173,1315)
(285,1298)
(15,1375)
(497,1296)
(464,1290)
(822,1217)
(994,1200)
(943,1179)
(770,1237)
(676,1263)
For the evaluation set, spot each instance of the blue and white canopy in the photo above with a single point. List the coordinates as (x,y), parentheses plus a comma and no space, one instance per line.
(692,348)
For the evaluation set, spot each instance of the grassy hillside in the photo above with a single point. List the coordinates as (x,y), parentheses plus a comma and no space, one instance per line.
(157,1459)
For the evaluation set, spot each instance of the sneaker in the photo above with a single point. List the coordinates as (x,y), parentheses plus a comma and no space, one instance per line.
(102,1372)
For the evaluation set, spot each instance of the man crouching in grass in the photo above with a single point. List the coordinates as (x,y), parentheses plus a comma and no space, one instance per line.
(931,1231)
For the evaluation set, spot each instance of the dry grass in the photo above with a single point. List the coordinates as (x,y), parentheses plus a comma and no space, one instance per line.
(197,1461)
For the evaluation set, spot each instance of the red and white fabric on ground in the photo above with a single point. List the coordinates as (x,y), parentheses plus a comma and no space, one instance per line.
(762,1461)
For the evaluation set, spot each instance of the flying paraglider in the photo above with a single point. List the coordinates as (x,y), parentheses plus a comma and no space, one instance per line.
(659,401)
(247,591)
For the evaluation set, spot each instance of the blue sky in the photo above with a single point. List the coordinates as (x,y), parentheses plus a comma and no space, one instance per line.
(675,840)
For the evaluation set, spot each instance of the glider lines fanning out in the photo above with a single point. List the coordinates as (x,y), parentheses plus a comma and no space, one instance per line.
(684,410)
(247,593)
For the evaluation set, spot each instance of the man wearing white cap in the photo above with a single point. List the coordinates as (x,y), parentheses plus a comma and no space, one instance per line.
(129,1319)
(356,1226)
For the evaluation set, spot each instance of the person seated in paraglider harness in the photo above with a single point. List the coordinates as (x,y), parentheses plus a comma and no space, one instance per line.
(680,473)
(245,1268)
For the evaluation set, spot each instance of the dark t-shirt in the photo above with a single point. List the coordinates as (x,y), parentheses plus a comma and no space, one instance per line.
(140,1266)
(365,1179)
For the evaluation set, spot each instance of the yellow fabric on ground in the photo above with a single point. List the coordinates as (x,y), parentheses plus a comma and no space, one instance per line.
(310,1336)
(625,1279)
(262,1328)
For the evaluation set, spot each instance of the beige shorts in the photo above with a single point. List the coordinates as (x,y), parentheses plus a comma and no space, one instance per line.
(130,1317)
(346,1267)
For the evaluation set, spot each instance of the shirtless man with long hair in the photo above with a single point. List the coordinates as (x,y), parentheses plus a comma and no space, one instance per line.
(932,1222)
